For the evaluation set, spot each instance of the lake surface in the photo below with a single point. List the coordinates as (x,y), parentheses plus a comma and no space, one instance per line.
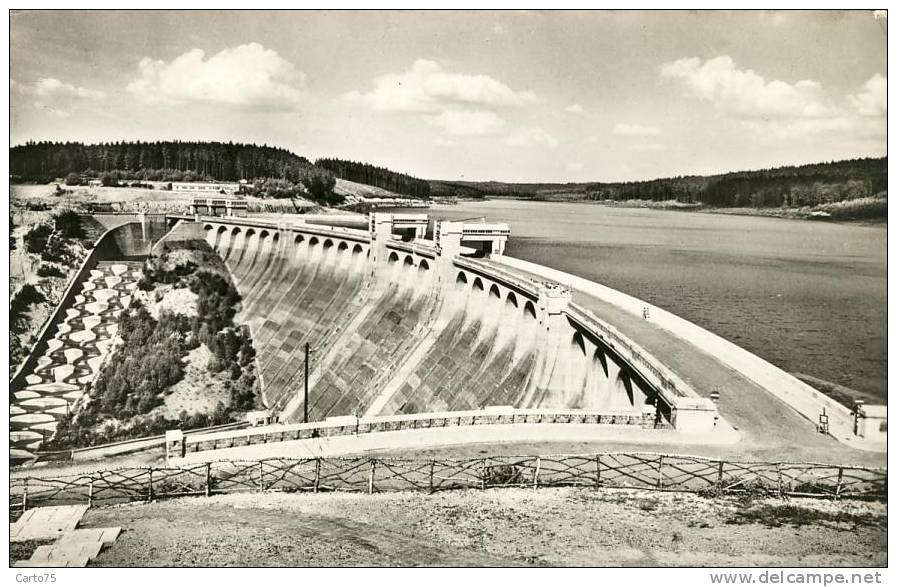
(810,297)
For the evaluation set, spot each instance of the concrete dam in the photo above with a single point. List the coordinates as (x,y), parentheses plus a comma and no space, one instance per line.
(401,324)
(417,324)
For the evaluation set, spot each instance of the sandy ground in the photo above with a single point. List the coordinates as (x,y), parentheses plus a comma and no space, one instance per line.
(166,297)
(555,527)
(199,390)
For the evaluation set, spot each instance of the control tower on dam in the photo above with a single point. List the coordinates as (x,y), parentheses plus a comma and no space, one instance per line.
(401,324)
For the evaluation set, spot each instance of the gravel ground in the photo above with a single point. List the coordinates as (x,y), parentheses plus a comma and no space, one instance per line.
(555,527)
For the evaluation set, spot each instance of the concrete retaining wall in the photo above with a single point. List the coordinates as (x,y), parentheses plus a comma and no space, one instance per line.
(434,437)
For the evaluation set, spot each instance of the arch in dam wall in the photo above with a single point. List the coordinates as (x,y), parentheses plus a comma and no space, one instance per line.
(231,238)
(495,290)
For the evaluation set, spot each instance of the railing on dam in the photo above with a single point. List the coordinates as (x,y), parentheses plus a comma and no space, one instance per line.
(319,229)
(529,286)
(646,471)
(665,379)
(350,425)
(416,248)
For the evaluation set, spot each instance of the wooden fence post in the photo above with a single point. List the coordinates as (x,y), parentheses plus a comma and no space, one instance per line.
(261,477)
(371,476)
(24,495)
(90,493)
(779,477)
(432,466)
(597,471)
(317,473)
(150,492)
(208,478)
(483,480)
(660,472)
(719,477)
(536,475)
(838,487)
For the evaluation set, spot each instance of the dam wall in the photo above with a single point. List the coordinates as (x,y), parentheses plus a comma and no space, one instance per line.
(811,403)
(398,325)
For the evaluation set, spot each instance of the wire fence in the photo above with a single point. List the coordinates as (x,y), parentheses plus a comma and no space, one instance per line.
(649,471)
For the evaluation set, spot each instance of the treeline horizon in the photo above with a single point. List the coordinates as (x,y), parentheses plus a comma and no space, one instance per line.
(792,185)
(381,177)
(165,160)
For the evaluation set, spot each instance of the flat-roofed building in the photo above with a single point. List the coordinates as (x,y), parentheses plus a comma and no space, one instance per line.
(190,187)
(218,205)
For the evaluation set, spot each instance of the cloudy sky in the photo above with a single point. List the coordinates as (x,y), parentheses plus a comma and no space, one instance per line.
(512,96)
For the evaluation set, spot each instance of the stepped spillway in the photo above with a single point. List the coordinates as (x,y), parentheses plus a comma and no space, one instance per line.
(73,356)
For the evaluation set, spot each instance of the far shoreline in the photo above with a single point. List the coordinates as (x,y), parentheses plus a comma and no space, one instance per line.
(803,213)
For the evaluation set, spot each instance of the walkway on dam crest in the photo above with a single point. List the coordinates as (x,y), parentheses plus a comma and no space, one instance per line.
(769,427)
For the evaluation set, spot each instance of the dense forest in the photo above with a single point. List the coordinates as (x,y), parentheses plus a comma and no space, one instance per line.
(267,167)
(380,177)
(45,161)
(804,185)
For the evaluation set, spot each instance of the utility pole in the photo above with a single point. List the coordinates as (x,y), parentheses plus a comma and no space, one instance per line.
(305,403)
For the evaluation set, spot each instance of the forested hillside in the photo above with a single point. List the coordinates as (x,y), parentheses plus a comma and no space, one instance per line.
(377,176)
(805,185)
(157,161)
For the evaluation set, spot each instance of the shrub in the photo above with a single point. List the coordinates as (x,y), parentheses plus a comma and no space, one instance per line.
(36,238)
(46,270)
(68,224)
(56,250)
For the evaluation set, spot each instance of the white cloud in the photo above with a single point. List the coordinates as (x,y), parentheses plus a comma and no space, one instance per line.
(56,98)
(574,166)
(426,88)
(648,147)
(635,130)
(55,112)
(50,87)
(467,122)
(247,75)
(574,108)
(592,140)
(744,93)
(873,99)
(530,137)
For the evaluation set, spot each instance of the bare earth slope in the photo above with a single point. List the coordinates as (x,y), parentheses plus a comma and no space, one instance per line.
(558,527)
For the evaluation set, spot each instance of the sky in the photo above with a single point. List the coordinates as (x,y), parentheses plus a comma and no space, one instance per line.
(476,95)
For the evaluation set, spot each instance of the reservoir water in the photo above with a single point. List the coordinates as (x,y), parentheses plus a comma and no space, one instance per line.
(810,297)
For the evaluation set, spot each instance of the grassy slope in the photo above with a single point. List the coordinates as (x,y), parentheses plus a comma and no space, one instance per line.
(350,188)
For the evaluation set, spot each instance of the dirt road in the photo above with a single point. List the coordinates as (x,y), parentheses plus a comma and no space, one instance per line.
(557,527)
